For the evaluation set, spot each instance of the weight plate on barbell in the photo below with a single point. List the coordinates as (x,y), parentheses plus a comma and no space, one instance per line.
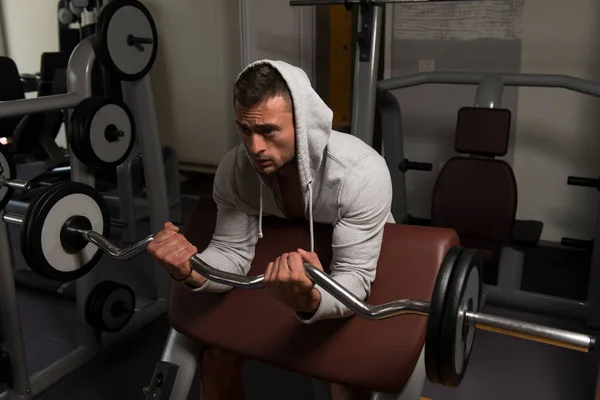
(436,313)
(464,295)
(7,171)
(41,239)
(127,39)
(103,132)
(110,306)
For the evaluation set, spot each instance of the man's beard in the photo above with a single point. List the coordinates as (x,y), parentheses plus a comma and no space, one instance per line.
(275,167)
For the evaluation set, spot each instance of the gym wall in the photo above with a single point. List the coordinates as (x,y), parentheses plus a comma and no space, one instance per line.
(198,60)
(30,28)
(554,133)
(203,46)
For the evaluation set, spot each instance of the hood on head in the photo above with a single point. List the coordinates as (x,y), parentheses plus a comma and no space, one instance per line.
(312,119)
(312,122)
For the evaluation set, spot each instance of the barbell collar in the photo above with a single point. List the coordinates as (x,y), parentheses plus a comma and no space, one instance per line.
(530,331)
(14,219)
(16,184)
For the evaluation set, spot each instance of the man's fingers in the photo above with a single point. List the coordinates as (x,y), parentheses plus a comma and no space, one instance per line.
(268,273)
(169,249)
(162,236)
(284,273)
(297,267)
(187,252)
(310,258)
(274,270)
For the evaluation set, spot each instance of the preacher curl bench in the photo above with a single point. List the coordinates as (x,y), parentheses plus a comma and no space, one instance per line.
(387,357)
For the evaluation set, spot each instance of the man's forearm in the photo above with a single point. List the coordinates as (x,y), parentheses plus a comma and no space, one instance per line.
(310,304)
(195,280)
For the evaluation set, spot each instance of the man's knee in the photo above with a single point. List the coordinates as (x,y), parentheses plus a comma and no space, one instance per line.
(216,360)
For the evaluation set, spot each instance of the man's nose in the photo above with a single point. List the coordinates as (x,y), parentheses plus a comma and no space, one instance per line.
(256,144)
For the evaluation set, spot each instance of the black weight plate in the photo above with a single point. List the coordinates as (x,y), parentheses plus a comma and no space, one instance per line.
(118,308)
(103,300)
(73,132)
(84,120)
(45,217)
(29,220)
(91,307)
(7,171)
(107,21)
(102,152)
(90,144)
(436,313)
(79,141)
(464,294)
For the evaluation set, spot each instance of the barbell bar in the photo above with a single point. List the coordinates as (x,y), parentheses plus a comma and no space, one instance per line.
(77,229)
(506,326)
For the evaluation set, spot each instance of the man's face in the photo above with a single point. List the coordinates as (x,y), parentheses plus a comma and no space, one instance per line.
(267,131)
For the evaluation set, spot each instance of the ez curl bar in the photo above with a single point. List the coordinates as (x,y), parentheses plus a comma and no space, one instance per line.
(64,234)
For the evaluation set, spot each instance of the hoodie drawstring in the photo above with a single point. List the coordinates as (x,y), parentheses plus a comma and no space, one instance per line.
(310,215)
(310,218)
(260,212)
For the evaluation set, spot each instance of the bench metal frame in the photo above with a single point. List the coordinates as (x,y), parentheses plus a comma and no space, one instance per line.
(185,353)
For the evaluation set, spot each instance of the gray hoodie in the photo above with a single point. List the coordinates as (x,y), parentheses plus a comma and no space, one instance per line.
(345,183)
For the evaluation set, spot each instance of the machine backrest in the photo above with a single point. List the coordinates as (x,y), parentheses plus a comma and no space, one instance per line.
(476,195)
(11,88)
(26,138)
(52,65)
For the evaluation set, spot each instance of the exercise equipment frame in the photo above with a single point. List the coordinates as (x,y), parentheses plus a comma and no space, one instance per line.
(139,98)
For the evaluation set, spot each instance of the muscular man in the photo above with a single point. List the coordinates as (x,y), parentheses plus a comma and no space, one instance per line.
(291,164)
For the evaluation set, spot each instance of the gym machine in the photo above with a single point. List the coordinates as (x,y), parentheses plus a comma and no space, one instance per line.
(109,132)
(489,93)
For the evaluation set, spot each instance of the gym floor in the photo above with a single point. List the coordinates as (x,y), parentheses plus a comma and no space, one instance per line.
(500,367)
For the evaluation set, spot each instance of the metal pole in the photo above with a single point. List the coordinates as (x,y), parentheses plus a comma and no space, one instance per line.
(11,322)
(593,296)
(39,104)
(365,72)
(529,331)
(393,148)
(140,99)
(489,91)
(79,80)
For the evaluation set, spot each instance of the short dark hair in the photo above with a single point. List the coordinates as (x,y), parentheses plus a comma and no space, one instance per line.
(259,83)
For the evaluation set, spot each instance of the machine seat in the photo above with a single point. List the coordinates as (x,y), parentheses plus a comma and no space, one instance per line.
(374,355)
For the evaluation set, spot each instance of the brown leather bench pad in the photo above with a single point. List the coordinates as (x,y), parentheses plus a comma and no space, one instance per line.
(377,355)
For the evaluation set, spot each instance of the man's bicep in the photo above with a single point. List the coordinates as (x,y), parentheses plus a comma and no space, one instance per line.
(235,231)
(359,232)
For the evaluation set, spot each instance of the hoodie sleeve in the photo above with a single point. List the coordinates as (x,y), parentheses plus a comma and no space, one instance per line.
(231,248)
(365,203)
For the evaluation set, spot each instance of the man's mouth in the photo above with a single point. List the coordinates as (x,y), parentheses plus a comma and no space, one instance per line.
(264,163)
